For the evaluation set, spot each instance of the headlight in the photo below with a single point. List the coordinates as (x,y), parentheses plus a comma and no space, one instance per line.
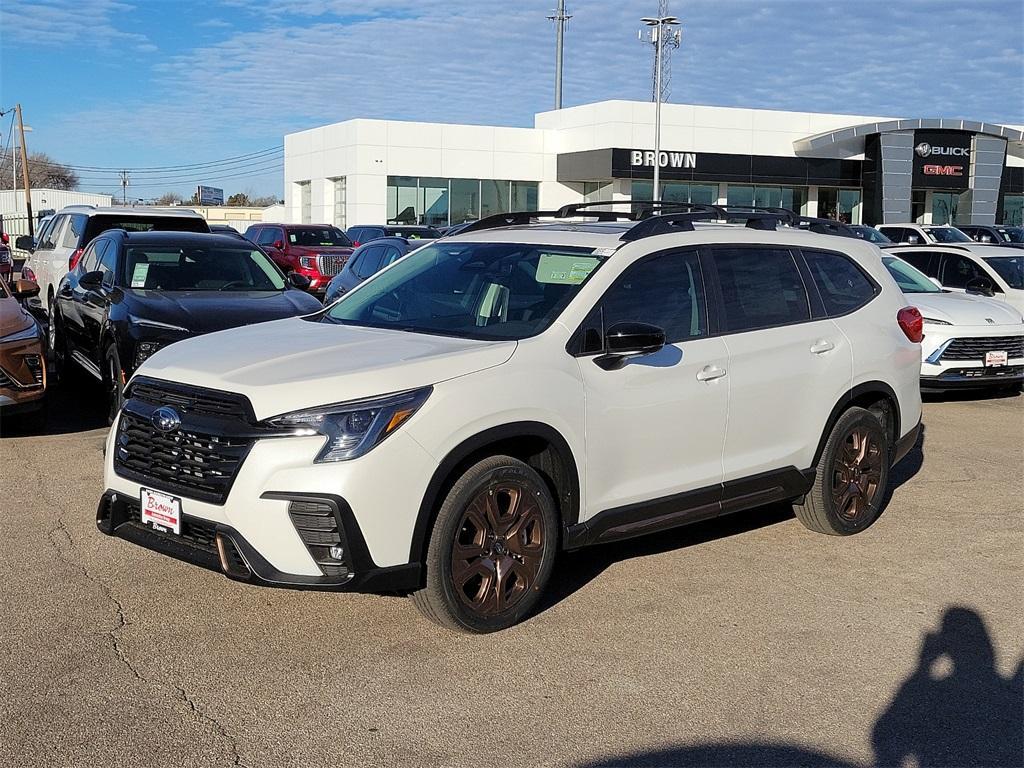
(25,334)
(307,262)
(156,324)
(352,429)
(144,350)
(933,321)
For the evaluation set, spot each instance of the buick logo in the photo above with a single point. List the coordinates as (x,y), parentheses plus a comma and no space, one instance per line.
(923,149)
(166,419)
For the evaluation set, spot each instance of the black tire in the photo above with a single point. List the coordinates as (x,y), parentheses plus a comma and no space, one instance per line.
(61,369)
(113,382)
(852,480)
(498,489)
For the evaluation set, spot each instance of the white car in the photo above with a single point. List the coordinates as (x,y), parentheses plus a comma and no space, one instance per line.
(969,341)
(918,234)
(984,270)
(60,241)
(524,387)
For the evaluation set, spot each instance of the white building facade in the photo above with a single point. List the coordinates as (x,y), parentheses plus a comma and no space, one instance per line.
(856,168)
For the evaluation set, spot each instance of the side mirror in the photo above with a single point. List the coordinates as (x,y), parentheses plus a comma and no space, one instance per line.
(5,238)
(91,281)
(24,289)
(985,239)
(25,243)
(981,285)
(295,280)
(913,240)
(625,340)
(279,244)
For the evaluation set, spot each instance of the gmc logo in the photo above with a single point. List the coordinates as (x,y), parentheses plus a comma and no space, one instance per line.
(943,170)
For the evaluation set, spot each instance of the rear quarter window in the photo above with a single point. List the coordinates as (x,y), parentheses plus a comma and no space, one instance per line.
(842,284)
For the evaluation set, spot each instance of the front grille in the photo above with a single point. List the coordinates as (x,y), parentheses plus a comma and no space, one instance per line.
(317,526)
(201,534)
(1002,372)
(331,264)
(975,349)
(208,402)
(186,461)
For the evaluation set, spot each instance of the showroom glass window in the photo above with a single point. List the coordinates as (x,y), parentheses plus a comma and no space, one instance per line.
(839,204)
(305,202)
(1013,210)
(440,201)
(761,287)
(340,199)
(677,192)
(792,198)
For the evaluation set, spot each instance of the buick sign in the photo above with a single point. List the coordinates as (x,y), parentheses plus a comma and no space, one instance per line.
(924,149)
(165,419)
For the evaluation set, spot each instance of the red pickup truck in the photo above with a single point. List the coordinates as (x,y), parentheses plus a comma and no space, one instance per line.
(318,251)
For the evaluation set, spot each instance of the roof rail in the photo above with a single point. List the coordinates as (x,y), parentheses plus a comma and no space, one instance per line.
(825,226)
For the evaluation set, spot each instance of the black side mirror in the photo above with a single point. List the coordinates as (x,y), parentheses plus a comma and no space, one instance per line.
(981,285)
(625,340)
(24,289)
(91,281)
(296,280)
(25,243)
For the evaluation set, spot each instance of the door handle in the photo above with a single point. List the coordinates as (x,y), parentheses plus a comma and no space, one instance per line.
(821,346)
(710,372)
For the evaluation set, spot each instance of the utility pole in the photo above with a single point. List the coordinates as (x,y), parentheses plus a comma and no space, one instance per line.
(659,27)
(124,187)
(24,171)
(559,17)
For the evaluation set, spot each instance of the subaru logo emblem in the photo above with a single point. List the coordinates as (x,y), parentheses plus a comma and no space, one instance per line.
(166,419)
(923,149)
(990,321)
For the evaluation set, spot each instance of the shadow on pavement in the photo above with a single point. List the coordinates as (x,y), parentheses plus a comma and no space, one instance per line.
(954,710)
(967,395)
(77,406)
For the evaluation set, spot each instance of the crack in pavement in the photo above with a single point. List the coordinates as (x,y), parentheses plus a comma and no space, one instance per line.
(62,542)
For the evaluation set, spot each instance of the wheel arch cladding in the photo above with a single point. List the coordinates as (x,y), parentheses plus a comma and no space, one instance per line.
(537,444)
(875,396)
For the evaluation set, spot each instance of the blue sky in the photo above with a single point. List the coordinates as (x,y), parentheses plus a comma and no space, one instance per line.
(138,83)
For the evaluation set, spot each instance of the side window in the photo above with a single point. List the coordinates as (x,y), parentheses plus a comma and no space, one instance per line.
(666,291)
(391,255)
(761,287)
(369,262)
(73,231)
(108,262)
(266,236)
(841,283)
(49,242)
(957,270)
(90,259)
(926,261)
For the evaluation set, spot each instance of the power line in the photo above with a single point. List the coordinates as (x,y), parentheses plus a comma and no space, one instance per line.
(162,170)
(199,172)
(150,184)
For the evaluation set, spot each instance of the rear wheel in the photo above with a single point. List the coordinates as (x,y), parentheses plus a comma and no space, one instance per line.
(113,382)
(57,347)
(852,478)
(492,548)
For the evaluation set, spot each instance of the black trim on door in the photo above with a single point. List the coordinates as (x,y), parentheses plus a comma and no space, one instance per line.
(690,507)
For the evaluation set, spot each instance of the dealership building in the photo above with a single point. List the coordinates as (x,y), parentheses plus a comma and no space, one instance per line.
(860,169)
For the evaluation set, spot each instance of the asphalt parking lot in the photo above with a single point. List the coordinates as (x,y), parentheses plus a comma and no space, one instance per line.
(747,641)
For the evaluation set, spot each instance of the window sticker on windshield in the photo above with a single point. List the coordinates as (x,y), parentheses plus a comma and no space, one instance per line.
(560,269)
(139,275)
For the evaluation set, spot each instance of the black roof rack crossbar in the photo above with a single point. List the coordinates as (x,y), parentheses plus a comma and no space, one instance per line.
(506,220)
(825,226)
(761,212)
(664,223)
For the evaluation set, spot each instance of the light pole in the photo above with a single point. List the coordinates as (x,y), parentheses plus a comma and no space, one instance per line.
(559,17)
(658,28)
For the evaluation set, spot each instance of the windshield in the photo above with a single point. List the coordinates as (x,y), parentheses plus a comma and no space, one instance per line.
(909,279)
(1010,268)
(219,268)
(470,290)
(1012,234)
(947,235)
(312,237)
(870,234)
(414,233)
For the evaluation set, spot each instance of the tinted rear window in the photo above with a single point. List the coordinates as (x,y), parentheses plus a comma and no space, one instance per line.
(103,222)
(842,285)
(761,287)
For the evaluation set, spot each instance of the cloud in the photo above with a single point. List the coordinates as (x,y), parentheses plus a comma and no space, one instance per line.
(58,23)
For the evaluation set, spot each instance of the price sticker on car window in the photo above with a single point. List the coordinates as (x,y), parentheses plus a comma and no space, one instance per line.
(560,269)
(139,275)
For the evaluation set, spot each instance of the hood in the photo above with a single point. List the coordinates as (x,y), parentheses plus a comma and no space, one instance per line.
(965,309)
(209,311)
(13,317)
(293,364)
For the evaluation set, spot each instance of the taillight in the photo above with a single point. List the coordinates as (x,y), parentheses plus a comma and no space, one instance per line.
(912,323)
(355,243)
(73,261)
(28,274)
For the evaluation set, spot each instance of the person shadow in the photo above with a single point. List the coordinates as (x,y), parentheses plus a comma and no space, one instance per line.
(954,710)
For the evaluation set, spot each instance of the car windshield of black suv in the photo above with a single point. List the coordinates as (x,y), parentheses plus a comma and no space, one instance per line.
(470,290)
(1010,268)
(908,278)
(170,268)
(947,235)
(1012,234)
(322,237)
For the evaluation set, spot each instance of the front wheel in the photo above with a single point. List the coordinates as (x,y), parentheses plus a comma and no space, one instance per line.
(852,477)
(492,549)
(113,381)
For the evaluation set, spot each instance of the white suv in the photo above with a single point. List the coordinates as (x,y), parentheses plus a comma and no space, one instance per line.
(539,382)
(916,234)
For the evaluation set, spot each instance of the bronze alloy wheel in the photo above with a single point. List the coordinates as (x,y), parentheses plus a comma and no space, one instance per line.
(856,473)
(498,548)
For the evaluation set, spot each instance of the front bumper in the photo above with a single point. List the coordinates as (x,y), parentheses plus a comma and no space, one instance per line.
(220,547)
(942,368)
(974,378)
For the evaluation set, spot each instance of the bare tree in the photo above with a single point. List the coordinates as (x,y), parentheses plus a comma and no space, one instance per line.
(169,198)
(43,173)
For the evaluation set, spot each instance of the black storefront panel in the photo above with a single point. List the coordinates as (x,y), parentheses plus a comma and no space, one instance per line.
(942,159)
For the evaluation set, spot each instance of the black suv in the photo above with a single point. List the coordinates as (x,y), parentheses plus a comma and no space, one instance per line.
(997,234)
(132,293)
(364,233)
(366,261)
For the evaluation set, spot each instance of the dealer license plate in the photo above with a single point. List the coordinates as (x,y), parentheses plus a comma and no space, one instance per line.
(161,511)
(996,358)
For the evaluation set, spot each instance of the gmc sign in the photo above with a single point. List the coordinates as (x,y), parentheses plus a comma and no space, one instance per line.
(942,159)
(943,170)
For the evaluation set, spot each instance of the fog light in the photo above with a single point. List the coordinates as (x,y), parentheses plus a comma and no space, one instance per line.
(336,553)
